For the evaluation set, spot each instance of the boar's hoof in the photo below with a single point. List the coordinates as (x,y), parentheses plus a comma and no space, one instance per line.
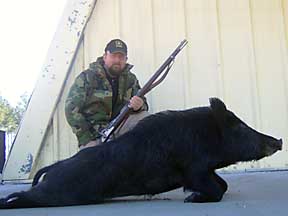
(197,197)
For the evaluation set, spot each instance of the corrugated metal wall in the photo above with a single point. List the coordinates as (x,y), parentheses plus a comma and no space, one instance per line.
(237,51)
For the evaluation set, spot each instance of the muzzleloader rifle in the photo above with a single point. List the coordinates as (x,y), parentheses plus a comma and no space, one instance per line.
(152,83)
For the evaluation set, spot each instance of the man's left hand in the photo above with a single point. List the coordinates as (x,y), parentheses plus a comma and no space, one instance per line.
(136,103)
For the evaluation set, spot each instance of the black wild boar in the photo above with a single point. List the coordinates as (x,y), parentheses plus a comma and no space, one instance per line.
(165,151)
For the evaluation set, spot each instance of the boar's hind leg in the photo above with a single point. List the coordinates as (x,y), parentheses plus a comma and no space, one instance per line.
(16,200)
(204,186)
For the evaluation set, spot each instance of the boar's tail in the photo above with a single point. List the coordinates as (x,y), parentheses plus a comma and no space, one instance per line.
(17,200)
(39,174)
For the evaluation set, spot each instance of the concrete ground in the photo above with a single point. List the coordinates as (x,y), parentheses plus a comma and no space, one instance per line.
(256,193)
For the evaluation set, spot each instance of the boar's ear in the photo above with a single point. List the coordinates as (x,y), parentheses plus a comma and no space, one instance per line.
(217,104)
(219,109)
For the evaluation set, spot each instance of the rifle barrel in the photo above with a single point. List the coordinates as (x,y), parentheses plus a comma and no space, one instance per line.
(171,58)
(106,133)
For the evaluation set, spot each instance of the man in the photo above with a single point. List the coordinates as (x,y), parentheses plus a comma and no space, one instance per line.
(99,93)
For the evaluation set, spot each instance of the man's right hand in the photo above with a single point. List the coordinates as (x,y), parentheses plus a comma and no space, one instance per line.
(136,103)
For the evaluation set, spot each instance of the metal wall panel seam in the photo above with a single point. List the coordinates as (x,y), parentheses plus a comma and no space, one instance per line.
(186,74)
(284,43)
(285,17)
(119,7)
(257,79)
(83,56)
(54,140)
(256,103)
(58,145)
(154,53)
(220,68)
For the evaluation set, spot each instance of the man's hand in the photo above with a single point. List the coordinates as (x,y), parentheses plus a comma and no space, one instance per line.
(136,103)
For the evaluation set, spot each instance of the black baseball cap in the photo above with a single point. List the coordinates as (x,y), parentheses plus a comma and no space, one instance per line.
(116,45)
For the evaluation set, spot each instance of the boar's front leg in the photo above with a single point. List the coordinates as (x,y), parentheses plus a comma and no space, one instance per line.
(205,187)
(220,181)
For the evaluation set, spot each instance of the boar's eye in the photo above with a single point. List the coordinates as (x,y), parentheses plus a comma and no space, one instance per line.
(231,120)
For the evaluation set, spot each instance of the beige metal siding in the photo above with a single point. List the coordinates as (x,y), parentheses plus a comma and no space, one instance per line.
(271,70)
(238,51)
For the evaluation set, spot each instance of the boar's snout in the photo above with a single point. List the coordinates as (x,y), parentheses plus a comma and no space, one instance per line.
(280,144)
(273,146)
(277,144)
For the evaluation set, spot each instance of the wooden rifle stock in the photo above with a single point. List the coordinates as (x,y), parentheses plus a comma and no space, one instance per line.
(152,82)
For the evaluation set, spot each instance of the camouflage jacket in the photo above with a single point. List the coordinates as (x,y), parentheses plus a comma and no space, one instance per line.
(88,107)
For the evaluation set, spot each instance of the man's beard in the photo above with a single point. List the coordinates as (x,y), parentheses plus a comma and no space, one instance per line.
(115,71)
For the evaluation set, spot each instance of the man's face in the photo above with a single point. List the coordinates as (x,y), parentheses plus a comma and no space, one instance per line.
(115,62)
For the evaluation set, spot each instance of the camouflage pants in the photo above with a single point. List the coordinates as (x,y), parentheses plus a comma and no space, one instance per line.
(130,123)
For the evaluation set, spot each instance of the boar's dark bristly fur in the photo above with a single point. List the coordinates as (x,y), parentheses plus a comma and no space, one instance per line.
(163,152)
